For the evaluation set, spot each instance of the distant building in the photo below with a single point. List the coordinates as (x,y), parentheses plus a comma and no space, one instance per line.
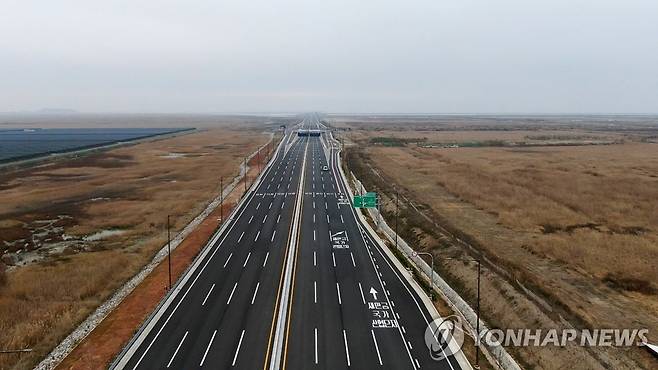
(309,133)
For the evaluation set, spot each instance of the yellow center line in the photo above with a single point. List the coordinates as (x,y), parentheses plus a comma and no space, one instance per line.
(285,257)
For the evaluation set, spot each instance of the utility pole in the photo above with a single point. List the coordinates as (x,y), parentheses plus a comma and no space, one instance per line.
(245,175)
(477,324)
(476,340)
(397,201)
(258,159)
(221,199)
(379,211)
(169,250)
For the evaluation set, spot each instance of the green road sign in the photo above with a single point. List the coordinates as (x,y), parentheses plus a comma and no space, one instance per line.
(369,200)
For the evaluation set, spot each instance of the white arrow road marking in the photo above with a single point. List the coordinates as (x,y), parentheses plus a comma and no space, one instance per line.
(374,293)
(336,234)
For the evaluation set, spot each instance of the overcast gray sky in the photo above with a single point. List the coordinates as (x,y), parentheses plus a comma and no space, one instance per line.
(444,56)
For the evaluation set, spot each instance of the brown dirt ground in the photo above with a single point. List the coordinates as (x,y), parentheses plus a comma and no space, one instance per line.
(130,189)
(114,332)
(576,225)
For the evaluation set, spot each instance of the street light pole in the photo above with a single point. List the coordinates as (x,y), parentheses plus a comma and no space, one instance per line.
(169,250)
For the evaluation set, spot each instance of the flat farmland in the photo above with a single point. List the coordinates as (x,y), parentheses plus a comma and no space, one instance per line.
(73,230)
(570,232)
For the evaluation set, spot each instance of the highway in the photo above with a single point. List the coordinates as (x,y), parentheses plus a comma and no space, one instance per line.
(293,281)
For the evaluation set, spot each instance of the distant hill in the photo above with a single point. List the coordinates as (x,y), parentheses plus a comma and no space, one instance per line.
(56,111)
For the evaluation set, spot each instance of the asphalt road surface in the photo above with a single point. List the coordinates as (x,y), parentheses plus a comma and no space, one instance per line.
(294,282)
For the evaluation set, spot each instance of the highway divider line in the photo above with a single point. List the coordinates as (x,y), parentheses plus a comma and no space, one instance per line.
(124,356)
(281,280)
(292,293)
(288,283)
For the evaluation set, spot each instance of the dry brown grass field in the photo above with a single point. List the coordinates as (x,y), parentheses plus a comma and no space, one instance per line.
(574,229)
(65,265)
